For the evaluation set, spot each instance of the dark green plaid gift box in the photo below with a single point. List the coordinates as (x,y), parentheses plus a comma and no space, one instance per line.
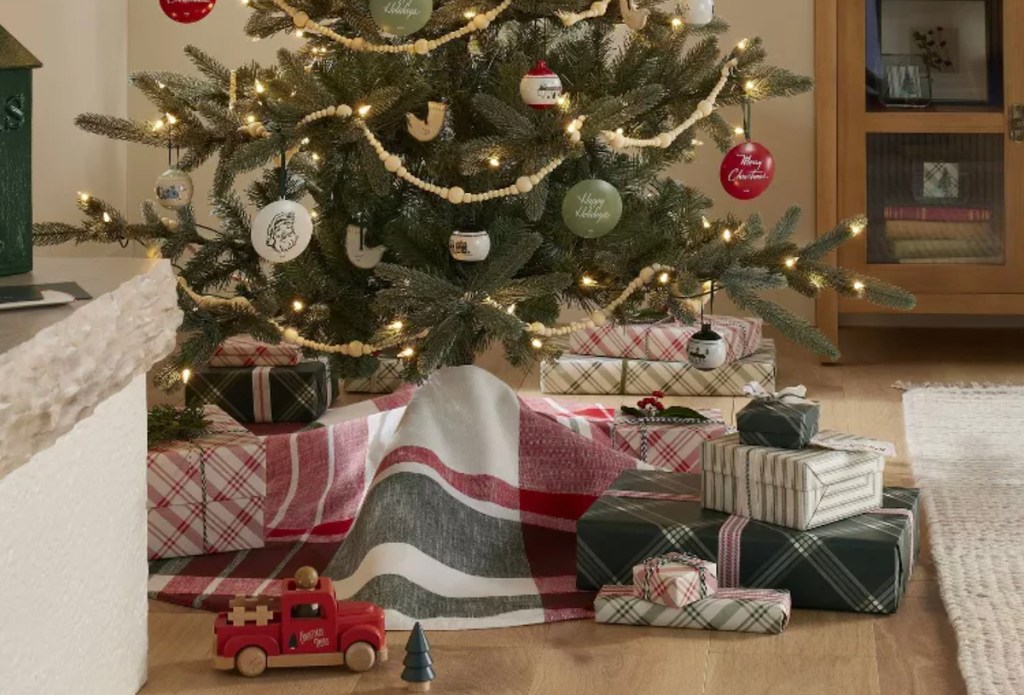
(265,394)
(782,423)
(860,564)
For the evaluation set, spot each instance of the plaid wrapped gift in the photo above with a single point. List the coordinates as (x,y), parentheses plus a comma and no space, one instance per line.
(674,580)
(861,564)
(246,351)
(207,496)
(580,374)
(387,378)
(797,489)
(671,444)
(265,394)
(764,611)
(785,419)
(666,341)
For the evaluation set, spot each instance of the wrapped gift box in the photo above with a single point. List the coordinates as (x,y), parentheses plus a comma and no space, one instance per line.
(207,496)
(666,341)
(798,489)
(580,374)
(667,443)
(861,564)
(737,610)
(675,580)
(265,394)
(387,378)
(786,423)
(246,351)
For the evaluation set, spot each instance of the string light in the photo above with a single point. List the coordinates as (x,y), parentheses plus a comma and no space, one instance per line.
(161,85)
(250,119)
(246,2)
(705,222)
(588,281)
(305,141)
(84,197)
(158,125)
(298,33)
(743,45)
(396,326)
(407,353)
(537,343)
(859,286)
(511,310)
(791,262)
(727,235)
(697,143)
(677,22)
(620,131)
(260,88)
(153,252)
(664,278)
(316,157)
(739,130)
(172,119)
(186,375)
(856,229)
(563,101)
(363,110)
(494,162)
(298,306)
(107,218)
(469,14)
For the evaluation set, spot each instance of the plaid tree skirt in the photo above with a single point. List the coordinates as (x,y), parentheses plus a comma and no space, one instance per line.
(458,510)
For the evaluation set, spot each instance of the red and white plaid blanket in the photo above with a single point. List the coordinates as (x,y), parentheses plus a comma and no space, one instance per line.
(454,504)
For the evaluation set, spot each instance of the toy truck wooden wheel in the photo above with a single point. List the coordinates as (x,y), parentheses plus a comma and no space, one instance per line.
(360,657)
(251,662)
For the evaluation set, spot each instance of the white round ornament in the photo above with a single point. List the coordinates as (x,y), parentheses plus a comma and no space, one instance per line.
(540,88)
(359,253)
(470,247)
(698,13)
(707,350)
(282,231)
(174,189)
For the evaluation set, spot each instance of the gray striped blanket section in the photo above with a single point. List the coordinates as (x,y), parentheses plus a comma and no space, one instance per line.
(796,489)
(764,611)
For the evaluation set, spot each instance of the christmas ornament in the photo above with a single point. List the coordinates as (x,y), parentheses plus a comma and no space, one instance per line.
(174,189)
(425,131)
(282,231)
(592,208)
(633,18)
(698,13)
(361,255)
(187,11)
(540,88)
(706,350)
(747,170)
(401,17)
(470,247)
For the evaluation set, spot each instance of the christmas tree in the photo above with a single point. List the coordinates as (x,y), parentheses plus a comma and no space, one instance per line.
(499,161)
(418,671)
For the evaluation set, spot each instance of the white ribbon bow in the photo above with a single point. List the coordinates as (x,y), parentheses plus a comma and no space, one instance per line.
(794,395)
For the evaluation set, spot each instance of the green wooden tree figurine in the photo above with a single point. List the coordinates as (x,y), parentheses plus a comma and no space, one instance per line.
(418,670)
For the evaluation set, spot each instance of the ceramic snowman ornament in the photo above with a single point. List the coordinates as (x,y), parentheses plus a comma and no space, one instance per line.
(470,247)
(698,13)
(706,350)
(541,87)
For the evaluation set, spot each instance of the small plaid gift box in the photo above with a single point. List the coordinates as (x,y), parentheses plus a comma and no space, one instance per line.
(207,496)
(387,378)
(666,341)
(675,579)
(785,420)
(763,611)
(670,444)
(265,394)
(246,351)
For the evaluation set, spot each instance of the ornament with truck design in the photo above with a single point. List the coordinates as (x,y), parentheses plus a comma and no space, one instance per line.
(307,626)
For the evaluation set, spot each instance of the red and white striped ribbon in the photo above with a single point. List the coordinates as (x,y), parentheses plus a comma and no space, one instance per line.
(261,407)
(729,543)
(636,494)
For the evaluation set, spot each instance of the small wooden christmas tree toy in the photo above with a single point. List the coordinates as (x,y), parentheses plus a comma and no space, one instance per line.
(418,664)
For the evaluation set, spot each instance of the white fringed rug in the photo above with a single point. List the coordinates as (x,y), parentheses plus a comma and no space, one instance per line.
(967,449)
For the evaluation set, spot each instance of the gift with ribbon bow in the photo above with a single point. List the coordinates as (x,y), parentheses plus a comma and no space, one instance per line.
(207,496)
(266,394)
(861,564)
(786,420)
(675,579)
(669,439)
(764,611)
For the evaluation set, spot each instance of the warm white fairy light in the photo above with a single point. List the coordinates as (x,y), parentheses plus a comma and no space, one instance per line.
(537,343)
(563,101)
(159,125)
(664,278)
(677,22)
(396,326)
(186,375)
(363,110)
(316,157)
(84,197)
(856,229)
(260,87)
(739,130)
(305,141)
(697,143)
(161,85)
(494,162)
(791,262)
(858,286)
(743,45)
(588,281)
(469,14)
(749,86)
(171,119)
(107,218)
(250,119)
(407,353)
(298,306)
(727,235)
(511,310)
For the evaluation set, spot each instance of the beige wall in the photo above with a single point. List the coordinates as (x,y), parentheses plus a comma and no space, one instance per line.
(83,47)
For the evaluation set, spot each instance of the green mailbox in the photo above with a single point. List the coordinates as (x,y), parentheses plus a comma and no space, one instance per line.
(16,65)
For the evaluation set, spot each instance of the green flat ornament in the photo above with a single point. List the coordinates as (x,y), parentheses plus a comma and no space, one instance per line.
(401,17)
(592,208)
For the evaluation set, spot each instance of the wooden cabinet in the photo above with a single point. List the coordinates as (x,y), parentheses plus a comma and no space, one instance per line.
(920,126)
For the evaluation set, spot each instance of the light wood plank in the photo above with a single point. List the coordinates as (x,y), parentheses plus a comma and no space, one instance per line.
(795,674)
(935,122)
(826,124)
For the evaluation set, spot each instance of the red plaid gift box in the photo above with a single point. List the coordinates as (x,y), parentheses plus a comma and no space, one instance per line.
(207,496)
(669,444)
(246,351)
(675,580)
(667,341)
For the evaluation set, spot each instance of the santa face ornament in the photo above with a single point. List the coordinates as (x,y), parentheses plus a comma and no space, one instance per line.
(282,231)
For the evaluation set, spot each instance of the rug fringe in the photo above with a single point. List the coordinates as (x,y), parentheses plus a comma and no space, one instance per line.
(963,385)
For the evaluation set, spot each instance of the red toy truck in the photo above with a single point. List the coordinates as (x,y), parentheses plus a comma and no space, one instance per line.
(307,627)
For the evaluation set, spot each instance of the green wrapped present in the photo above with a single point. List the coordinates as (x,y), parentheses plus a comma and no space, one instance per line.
(386,379)
(783,420)
(265,394)
(861,564)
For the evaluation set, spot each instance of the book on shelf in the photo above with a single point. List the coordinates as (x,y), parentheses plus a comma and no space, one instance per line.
(956,260)
(945,248)
(938,214)
(904,230)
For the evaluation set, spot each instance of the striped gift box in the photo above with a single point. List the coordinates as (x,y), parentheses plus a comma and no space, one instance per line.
(666,342)
(581,374)
(207,496)
(763,611)
(797,489)
(246,351)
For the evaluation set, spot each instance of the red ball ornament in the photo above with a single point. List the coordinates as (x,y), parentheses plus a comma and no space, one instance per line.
(187,11)
(748,170)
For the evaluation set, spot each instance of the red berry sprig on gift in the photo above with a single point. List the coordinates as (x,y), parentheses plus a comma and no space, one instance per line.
(652,407)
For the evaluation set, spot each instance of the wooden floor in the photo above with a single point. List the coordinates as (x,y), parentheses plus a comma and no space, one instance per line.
(910,653)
